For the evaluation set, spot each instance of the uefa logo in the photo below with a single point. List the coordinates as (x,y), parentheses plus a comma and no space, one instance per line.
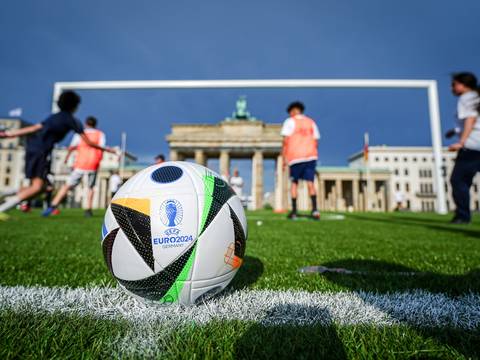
(171,213)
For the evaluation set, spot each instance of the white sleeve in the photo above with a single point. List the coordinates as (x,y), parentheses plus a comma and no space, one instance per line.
(316,132)
(288,127)
(467,106)
(75,140)
(102,140)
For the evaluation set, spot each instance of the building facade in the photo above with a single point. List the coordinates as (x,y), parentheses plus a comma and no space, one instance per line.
(12,156)
(411,169)
(351,189)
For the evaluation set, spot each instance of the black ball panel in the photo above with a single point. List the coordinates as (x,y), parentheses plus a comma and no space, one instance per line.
(167,174)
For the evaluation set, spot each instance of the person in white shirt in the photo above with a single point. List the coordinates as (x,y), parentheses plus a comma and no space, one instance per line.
(399,198)
(236,182)
(467,163)
(114,183)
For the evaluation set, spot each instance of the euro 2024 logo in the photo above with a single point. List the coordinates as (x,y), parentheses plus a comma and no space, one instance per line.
(171,213)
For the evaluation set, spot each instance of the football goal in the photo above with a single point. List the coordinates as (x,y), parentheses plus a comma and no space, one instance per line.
(429,85)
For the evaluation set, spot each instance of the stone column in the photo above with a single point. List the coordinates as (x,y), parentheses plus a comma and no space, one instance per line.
(332,198)
(365,198)
(99,202)
(280,193)
(339,195)
(175,155)
(361,202)
(257,180)
(355,191)
(321,194)
(200,157)
(382,197)
(316,182)
(105,198)
(224,163)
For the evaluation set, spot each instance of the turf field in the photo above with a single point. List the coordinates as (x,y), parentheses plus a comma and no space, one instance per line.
(414,293)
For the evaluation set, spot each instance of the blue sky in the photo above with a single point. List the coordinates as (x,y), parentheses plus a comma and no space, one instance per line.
(46,41)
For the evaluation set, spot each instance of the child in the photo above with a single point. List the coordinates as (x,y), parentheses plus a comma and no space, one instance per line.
(43,137)
(300,139)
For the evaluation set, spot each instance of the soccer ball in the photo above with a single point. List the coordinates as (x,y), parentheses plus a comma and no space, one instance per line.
(174,232)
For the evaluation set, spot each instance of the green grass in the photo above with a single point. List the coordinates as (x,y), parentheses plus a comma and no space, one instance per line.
(66,251)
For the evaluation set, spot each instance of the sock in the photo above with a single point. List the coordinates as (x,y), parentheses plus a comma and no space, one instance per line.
(314,202)
(294,205)
(9,203)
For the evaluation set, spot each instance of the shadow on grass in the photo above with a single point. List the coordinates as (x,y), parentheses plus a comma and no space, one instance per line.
(439,225)
(248,274)
(380,276)
(264,340)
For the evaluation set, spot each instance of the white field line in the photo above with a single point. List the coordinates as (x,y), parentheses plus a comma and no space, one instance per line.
(267,307)
(323,217)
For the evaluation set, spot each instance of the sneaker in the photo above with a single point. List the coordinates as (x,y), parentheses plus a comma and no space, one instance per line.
(459,221)
(49,211)
(315,215)
(25,208)
(56,212)
(292,216)
(88,213)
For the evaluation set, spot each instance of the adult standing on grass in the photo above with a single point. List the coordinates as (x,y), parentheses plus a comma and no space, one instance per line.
(236,182)
(399,198)
(300,140)
(87,162)
(114,183)
(467,163)
(43,137)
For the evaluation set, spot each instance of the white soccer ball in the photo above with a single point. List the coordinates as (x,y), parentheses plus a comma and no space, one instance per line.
(174,232)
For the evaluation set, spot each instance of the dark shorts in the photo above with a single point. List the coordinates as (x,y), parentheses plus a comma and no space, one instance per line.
(303,171)
(37,165)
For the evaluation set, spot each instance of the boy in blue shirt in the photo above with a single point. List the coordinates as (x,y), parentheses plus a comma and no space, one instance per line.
(42,138)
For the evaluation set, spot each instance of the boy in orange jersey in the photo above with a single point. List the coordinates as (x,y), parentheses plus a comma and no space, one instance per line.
(300,140)
(87,162)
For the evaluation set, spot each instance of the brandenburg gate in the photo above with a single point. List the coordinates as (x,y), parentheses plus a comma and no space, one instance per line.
(239,137)
(244,137)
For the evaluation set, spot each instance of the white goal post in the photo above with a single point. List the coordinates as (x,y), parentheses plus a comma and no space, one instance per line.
(429,85)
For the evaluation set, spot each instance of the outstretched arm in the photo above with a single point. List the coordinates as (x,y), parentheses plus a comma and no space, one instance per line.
(92,144)
(69,152)
(21,132)
(467,129)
